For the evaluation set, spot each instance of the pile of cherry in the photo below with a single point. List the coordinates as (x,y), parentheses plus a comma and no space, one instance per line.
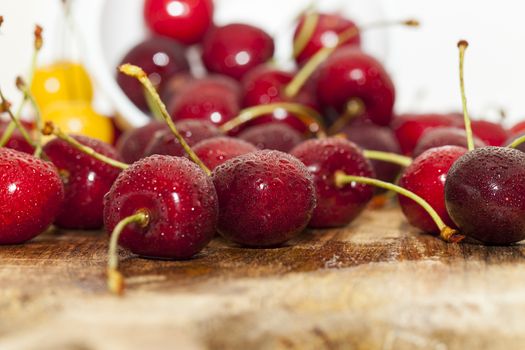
(258,154)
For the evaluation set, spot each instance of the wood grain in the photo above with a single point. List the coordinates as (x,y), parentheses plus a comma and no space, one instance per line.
(377,284)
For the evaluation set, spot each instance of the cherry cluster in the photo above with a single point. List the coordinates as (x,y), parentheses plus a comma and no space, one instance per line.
(258,154)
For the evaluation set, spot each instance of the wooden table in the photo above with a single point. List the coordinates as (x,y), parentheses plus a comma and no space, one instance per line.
(377,284)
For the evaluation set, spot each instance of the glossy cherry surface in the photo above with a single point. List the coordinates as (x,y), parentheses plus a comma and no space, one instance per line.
(265,198)
(328,27)
(161,58)
(179,199)
(86,181)
(485,192)
(444,136)
(217,150)
(276,136)
(323,157)
(132,144)
(183,20)
(426,177)
(351,74)
(236,48)
(31,195)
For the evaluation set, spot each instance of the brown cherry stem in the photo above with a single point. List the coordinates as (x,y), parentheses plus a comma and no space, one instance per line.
(446,233)
(5,106)
(462,46)
(115,280)
(50,129)
(293,87)
(388,157)
(140,75)
(354,108)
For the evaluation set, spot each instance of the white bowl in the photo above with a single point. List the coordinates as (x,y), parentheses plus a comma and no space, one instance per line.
(111,28)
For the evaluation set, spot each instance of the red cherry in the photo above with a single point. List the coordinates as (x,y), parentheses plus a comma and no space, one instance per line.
(351,75)
(493,134)
(265,198)
(276,136)
(132,143)
(193,131)
(161,58)
(16,141)
(410,127)
(323,157)
(426,177)
(217,150)
(236,48)
(180,202)
(183,20)
(174,86)
(444,136)
(31,195)
(518,128)
(86,181)
(328,27)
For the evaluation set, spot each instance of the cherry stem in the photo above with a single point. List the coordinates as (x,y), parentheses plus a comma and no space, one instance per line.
(446,233)
(305,34)
(38,42)
(462,45)
(50,129)
(140,75)
(307,115)
(354,108)
(157,115)
(388,157)
(517,142)
(22,86)
(5,106)
(293,87)
(115,280)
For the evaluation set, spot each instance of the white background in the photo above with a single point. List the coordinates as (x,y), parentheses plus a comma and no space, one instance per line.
(422,62)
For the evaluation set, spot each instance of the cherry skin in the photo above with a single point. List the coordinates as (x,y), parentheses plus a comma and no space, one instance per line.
(426,177)
(328,27)
(31,195)
(236,48)
(217,150)
(444,136)
(276,136)
(193,131)
(265,198)
(323,157)
(132,144)
(161,58)
(484,195)
(377,138)
(183,20)
(16,141)
(179,199)
(493,134)
(174,86)
(86,181)
(410,127)
(351,74)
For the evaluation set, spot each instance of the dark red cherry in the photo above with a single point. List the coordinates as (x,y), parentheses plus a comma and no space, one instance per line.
(217,150)
(444,136)
(349,74)
(193,131)
(410,127)
(323,157)
(183,20)
(276,136)
(174,86)
(16,141)
(265,198)
(485,191)
(328,27)
(493,134)
(377,138)
(132,143)
(86,181)
(426,177)
(179,199)
(161,58)
(236,48)
(31,195)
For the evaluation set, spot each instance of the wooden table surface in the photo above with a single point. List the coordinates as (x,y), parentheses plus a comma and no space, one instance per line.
(377,284)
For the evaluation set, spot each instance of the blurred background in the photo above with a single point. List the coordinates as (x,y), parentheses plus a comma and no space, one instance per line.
(423,62)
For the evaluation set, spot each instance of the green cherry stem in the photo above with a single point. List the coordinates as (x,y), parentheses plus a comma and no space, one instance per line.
(6,107)
(140,75)
(388,157)
(447,234)
(305,34)
(22,86)
(517,142)
(462,46)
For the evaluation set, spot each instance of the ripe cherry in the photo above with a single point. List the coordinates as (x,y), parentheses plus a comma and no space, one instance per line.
(518,128)
(217,150)
(236,48)
(161,58)
(352,78)
(183,20)
(16,140)
(444,136)
(31,195)
(276,136)
(132,144)
(265,198)
(174,86)
(323,158)
(493,134)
